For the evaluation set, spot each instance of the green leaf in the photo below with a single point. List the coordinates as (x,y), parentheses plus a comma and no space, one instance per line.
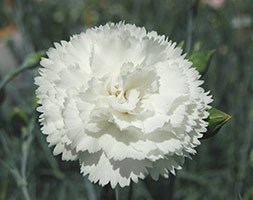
(201,60)
(216,120)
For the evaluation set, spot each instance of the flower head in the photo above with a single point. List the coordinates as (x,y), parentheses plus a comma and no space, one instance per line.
(123,101)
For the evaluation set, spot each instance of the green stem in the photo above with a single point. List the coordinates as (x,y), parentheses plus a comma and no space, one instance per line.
(117,193)
(29,63)
(20,175)
(171,186)
(90,190)
(28,136)
(123,193)
(192,13)
(21,181)
(130,191)
(25,193)
(189,30)
(26,143)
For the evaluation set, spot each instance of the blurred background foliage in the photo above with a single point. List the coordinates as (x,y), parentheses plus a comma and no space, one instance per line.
(222,168)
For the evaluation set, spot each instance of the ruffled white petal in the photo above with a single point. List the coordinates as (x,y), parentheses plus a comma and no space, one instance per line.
(123,101)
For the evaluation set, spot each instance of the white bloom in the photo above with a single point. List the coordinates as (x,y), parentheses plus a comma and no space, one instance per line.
(122,101)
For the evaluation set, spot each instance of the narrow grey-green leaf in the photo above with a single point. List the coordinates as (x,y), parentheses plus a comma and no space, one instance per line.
(216,120)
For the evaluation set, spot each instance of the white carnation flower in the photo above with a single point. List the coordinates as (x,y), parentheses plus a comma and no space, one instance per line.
(123,101)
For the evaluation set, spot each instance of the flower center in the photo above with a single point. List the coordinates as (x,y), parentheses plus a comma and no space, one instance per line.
(120,98)
(115,90)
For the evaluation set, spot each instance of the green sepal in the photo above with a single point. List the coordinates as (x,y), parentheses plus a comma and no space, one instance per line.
(215,120)
(181,44)
(33,59)
(201,60)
